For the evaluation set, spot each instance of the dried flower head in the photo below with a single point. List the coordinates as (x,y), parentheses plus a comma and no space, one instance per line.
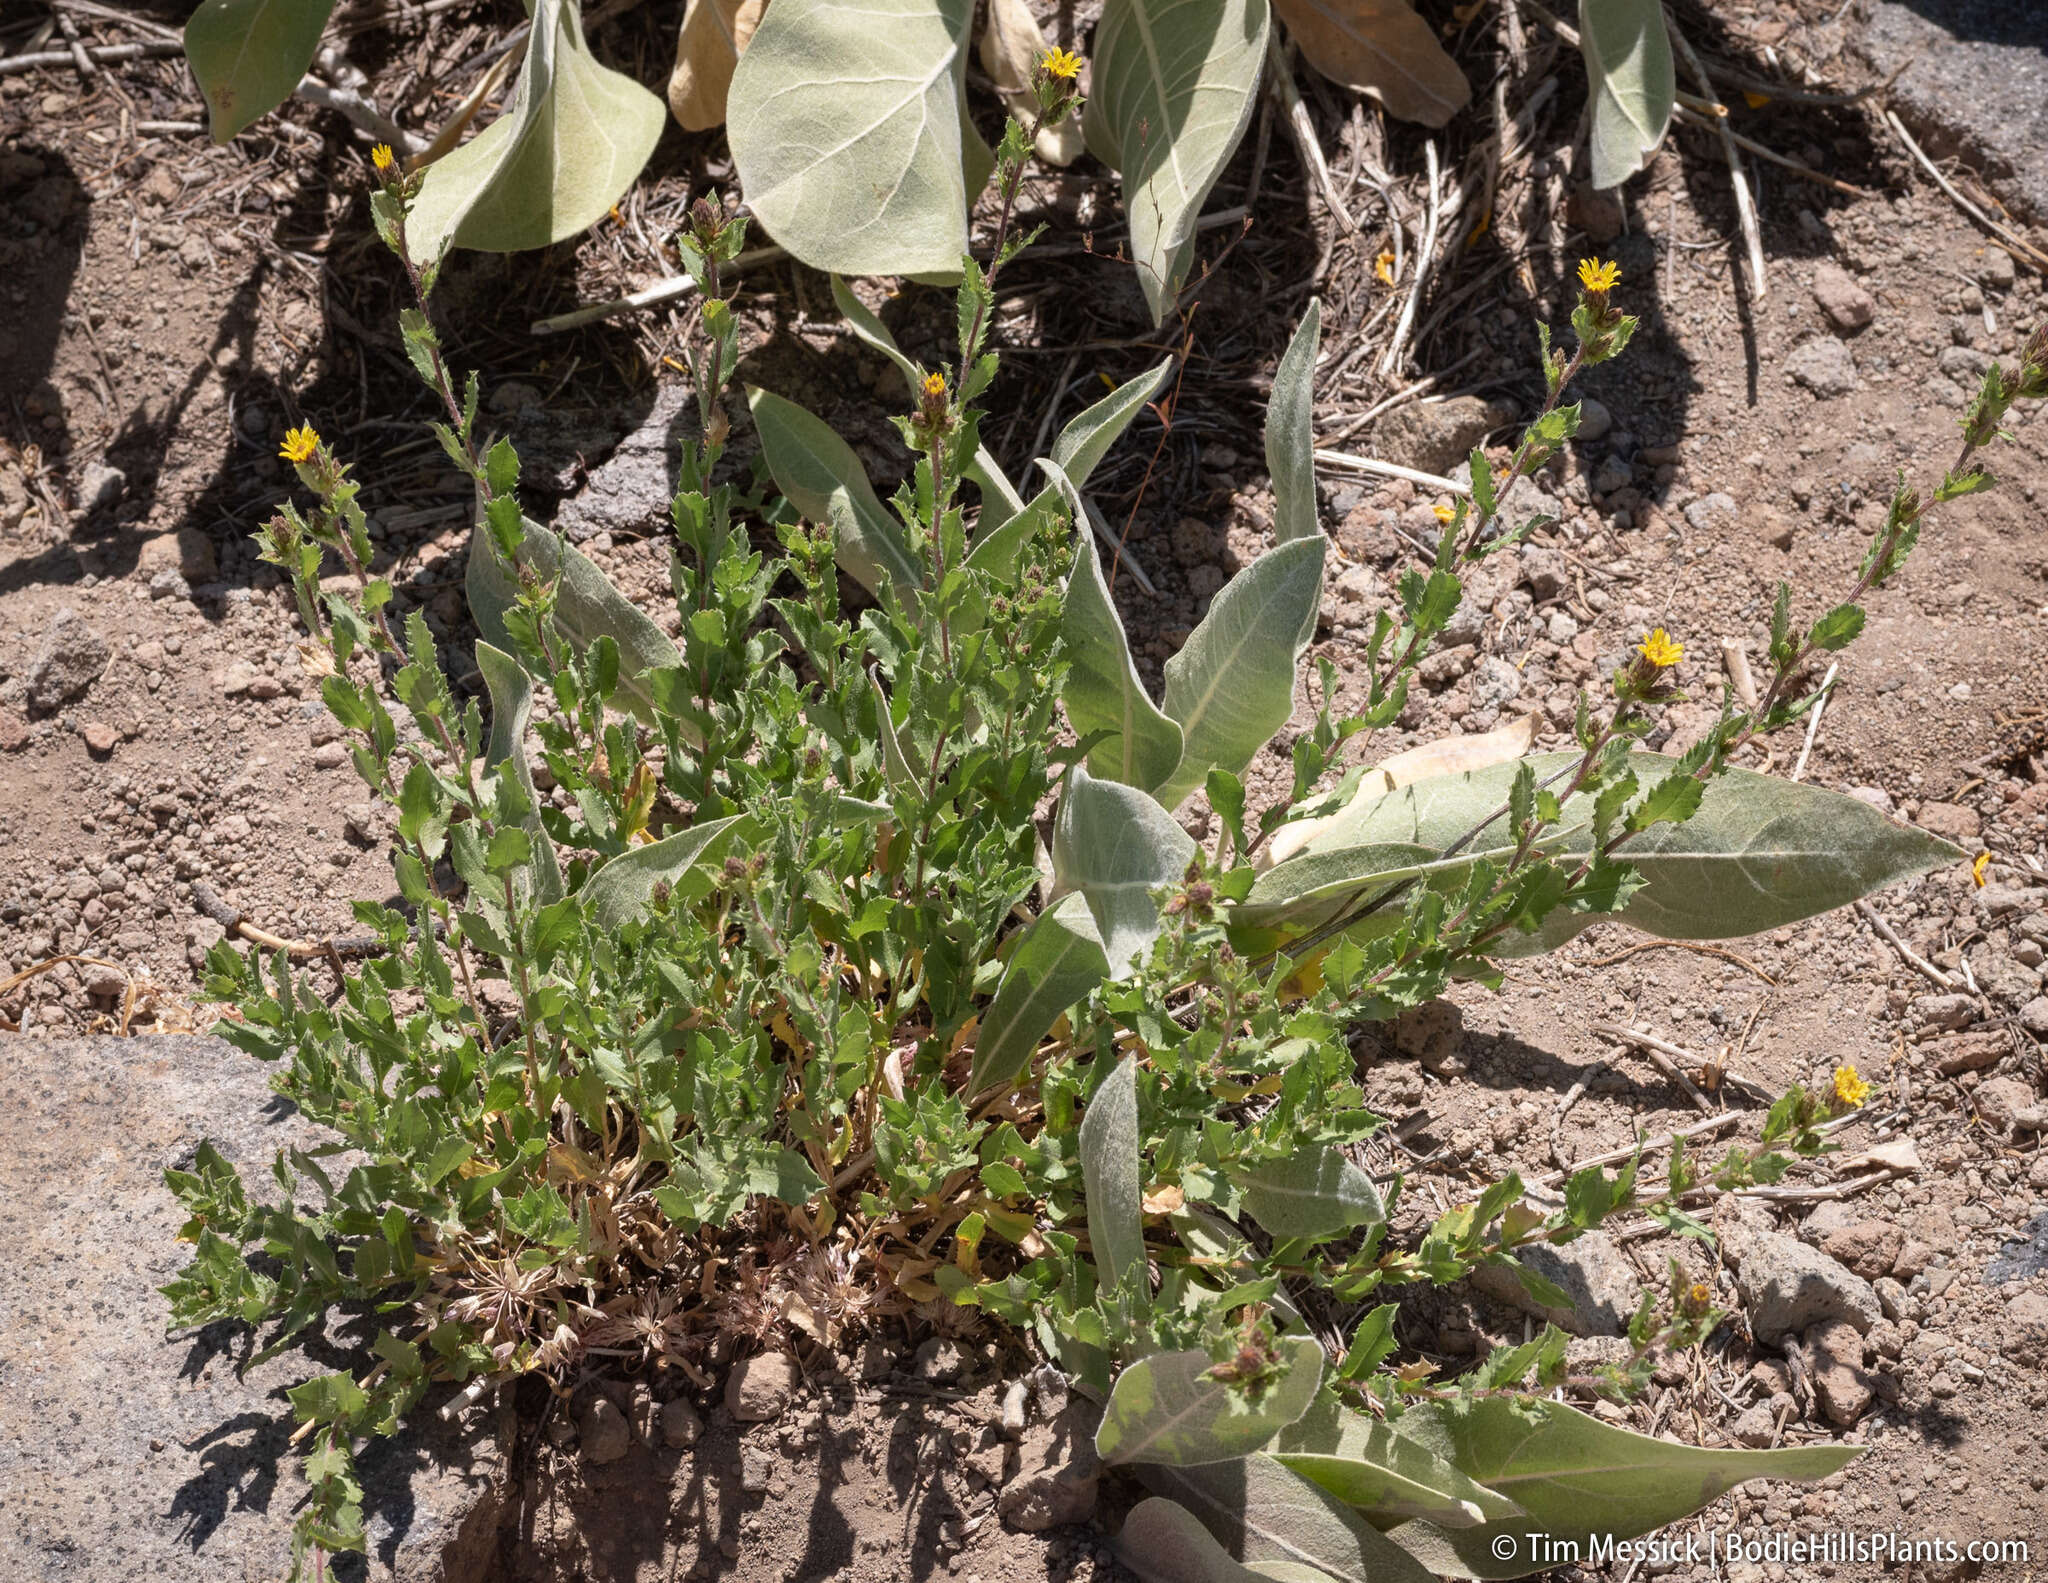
(1660,649)
(1061,63)
(382,157)
(299,444)
(1850,1088)
(1597,277)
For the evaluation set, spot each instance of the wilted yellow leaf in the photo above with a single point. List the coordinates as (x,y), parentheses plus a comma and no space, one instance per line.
(1383,48)
(708,46)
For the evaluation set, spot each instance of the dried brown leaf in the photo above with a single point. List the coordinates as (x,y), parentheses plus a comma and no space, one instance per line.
(1383,48)
(708,46)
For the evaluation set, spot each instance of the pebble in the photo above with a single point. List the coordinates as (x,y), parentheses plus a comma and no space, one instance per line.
(99,737)
(1839,1379)
(1950,821)
(1842,298)
(1711,512)
(101,488)
(329,756)
(940,1361)
(681,1424)
(758,1388)
(605,1434)
(68,661)
(1594,420)
(1789,1287)
(238,678)
(757,1471)
(1824,365)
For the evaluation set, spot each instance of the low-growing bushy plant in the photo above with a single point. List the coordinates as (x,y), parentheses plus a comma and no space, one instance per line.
(784,1012)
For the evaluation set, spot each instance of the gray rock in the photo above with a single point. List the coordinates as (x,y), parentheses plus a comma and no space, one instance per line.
(1974,84)
(757,1470)
(1869,1247)
(759,1387)
(1789,1287)
(1495,683)
(603,1430)
(69,660)
(1964,364)
(1756,1426)
(681,1424)
(1545,570)
(1943,1013)
(2010,1105)
(940,1360)
(1594,420)
(1824,366)
(1842,298)
(1836,1349)
(102,488)
(630,490)
(1058,1476)
(1437,435)
(1711,513)
(186,1475)
(1593,1270)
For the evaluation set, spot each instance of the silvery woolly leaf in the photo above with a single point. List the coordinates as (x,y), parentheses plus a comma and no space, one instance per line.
(1110,1167)
(587,606)
(1115,845)
(511,709)
(620,891)
(1057,960)
(1172,88)
(850,133)
(1631,84)
(570,142)
(248,56)
(1760,853)
(1573,1477)
(825,481)
(1290,435)
(1388,1476)
(1170,1410)
(1315,1192)
(1232,685)
(1163,1542)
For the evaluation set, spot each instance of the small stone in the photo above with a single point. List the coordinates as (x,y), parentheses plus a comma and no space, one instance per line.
(329,756)
(1437,435)
(1756,1426)
(1913,1257)
(1842,298)
(1592,1269)
(940,1361)
(105,982)
(1545,570)
(1710,513)
(101,488)
(99,737)
(1824,366)
(643,1415)
(1015,1404)
(603,1429)
(681,1424)
(758,1388)
(1431,1032)
(265,686)
(1839,1378)
(1495,683)
(1789,1287)
(1598,213)
(2008,1105)
(877,1360)
(1869,1247)
(2034,1016)
(1594,420)
(1997,270)
(238,678)
(1943,1013)
(757,1471)
(69,660)
(1058,1476)
(1950,821)
(2024,1333)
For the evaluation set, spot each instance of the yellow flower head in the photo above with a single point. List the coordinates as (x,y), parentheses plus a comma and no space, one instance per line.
(382,157)
(1660,650)
(1061,63)
(299,444)
(1444,513)
(1977,868)
(934,386)
(1850,1089)
(1700,1294)
(1597,277)
(1383,266)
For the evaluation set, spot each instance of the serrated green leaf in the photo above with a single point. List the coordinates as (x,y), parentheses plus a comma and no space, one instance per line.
(1173,86)
(850,133)
(1169,1409)
(1574,1477)
(570,142)
(248,56)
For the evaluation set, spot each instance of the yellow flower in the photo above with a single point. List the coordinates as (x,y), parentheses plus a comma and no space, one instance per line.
(1597,277)
(1444,513)
(1977,868)
(299,444)
(1383,266)
(1850,1089)
(1659,649)
(934,386)
(1061,63)
(382,157)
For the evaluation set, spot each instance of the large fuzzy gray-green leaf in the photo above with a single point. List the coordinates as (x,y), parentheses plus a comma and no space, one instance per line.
(1058,960)
(1316,1192)
(1103,691)
(248,56)
(1291,435)
(1310,889)
(825,481)
(1173,86)
(1169,1410)
(1086,438)
(1388,1476)
(1630,81)
(1232,685)
(619,892)
(1110,1172)
(511,709)
(1573,1477)
(1163,1542)
(572,139)
(587,606)
(1262,1513)
(849,131)
(1760,853)
(1115,845)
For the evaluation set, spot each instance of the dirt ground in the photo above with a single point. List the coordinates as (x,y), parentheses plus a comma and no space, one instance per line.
(168,308)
